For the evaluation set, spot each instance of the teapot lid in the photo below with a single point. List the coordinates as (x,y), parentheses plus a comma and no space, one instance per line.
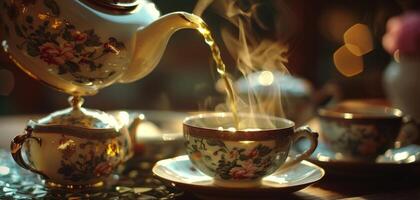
(117,5)
(79,117)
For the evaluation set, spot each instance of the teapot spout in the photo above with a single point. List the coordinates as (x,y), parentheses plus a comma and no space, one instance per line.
(151,42)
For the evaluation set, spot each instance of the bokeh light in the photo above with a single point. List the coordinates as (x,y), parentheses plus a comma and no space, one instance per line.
(334,22)
(357,42)
(4,170)
(358,39)
(347,63)
(266,78)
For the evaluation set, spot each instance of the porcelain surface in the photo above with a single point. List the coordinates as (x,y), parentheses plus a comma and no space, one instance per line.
(52,41)
(359,130)
(401,84)
(181,172)
(241,158)
(69,160)
(75,147)
(394,162)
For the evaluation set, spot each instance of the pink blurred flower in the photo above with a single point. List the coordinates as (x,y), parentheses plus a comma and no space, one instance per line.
(403,34)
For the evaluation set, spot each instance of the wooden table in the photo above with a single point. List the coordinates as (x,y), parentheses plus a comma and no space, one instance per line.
(405,186)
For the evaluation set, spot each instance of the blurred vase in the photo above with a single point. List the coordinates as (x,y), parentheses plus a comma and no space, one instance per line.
(402,84)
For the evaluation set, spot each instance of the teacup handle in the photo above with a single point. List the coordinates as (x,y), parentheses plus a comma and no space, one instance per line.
(302,132)
(409,137)
(16,150)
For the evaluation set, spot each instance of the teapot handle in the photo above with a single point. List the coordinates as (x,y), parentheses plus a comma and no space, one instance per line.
(16,150)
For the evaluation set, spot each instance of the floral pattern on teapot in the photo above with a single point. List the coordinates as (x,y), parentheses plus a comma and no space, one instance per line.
(72,52)
(231,163)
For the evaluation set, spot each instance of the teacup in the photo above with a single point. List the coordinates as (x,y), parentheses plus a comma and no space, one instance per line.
(241,158)
(359,130)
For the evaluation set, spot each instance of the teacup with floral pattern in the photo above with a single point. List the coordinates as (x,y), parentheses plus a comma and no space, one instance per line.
(241,157)
(360,130)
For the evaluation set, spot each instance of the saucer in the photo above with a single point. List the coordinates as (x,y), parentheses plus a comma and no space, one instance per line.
(394,162)
(180,172)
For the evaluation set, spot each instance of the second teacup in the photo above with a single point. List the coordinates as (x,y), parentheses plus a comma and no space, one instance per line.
(359,130)
(241,158)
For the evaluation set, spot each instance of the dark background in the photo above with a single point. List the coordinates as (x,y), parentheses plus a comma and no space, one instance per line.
(184,77)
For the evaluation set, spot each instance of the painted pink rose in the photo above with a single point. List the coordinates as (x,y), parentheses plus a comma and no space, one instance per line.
(233,154)
(103,168)
(49,51)
(67,51)
(78,36)
(253,153)
(247,170)
(54,55)
(403,34)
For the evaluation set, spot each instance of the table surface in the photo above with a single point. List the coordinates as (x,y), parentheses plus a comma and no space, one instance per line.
(385,186)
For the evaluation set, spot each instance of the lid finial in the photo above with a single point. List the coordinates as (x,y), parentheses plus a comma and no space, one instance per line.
(76,102)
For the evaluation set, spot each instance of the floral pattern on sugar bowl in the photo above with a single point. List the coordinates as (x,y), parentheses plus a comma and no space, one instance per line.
(86,161)
(247,160)
(69,160)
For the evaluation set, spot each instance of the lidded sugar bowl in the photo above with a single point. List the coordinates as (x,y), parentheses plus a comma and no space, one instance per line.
(74,147)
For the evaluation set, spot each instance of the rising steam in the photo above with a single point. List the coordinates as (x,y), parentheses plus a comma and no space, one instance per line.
(256,54)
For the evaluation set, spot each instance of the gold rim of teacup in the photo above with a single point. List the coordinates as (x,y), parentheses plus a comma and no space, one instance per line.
(237,135)
(347,112)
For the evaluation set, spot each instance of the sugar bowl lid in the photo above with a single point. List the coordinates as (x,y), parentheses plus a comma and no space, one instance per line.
(78,117)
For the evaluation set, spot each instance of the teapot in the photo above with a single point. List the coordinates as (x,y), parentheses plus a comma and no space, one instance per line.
(74,148)
(81,46)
